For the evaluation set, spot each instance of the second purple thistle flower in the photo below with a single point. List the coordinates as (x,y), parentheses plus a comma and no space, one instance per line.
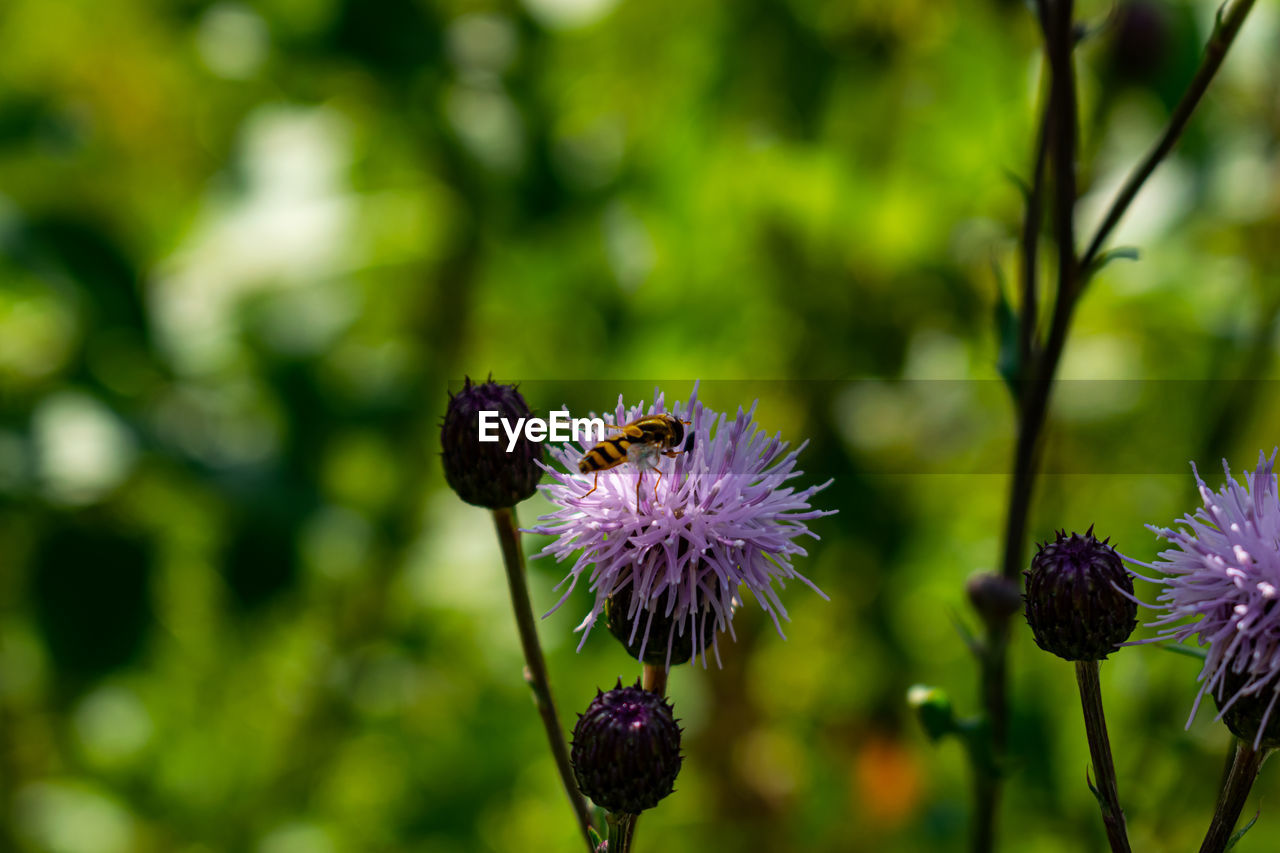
(722,516)
(1223,575)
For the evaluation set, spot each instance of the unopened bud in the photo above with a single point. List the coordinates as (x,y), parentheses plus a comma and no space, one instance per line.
(651,633)
(626,749)
(484,473)
(993,596)
(1079,598)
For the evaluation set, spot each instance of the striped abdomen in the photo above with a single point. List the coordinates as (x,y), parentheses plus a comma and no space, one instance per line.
(609,453)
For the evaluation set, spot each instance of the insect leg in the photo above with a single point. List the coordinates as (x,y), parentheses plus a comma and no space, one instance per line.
(595,485)
(639,480)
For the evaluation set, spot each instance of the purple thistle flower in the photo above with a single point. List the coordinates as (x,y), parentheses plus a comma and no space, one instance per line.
(1224,575)
(722,516)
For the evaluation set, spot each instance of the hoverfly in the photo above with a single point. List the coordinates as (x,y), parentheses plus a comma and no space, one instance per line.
(639,442)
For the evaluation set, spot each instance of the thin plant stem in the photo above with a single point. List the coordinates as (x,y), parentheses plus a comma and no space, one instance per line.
(621,832)
(535,672)
(1031,223)
(1224,34)
(1059,34)
(655,678)
(987,769)
(1037,374)
(1095,726)
(1038,371)
(1035,382)
(655,681)
(1231,800)
(1227,761)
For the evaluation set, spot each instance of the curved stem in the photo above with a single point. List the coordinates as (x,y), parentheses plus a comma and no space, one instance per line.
(1224,34)
(1036,382)
(1038,371)
(1235,790)
(535,672)
(1095,726)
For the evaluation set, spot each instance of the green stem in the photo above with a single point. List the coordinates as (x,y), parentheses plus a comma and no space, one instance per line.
(1031,222)
(986,763)
(655,678)
(1035,385)
(655,681)
(1215,52)
(535,671)
(1060,40)
(621,832)
(1095,726)
(1235,790)
(1058,127)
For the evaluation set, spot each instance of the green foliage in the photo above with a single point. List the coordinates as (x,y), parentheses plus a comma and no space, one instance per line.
(1240,833)
(246,247)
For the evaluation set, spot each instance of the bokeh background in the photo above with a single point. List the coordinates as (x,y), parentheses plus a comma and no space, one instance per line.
(246,248)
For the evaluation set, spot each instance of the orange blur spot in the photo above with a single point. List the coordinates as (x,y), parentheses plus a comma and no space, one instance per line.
(887,781)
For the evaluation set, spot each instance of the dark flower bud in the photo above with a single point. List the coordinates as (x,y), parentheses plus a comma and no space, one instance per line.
(1143,40)
(654,632)
(484,473)
(626,749)
(993,596)
(1076,598)
(1244,717)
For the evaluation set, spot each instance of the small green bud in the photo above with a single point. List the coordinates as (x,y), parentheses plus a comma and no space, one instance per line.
(933,707)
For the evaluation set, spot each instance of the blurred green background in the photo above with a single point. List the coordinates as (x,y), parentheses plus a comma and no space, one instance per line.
(245,249)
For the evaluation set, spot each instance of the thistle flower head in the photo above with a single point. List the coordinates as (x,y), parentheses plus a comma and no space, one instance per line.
(626,749)
(1220,583)
(1080,602)
(484,473)
(722,516)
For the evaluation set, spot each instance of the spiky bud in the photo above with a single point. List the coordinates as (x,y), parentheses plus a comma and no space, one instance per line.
(1076,599)
(652,632)
(485,473)
(626,749)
